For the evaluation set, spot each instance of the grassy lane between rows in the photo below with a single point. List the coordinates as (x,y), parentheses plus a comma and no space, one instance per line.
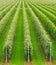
(37,56)
(48,9)
(47,24)
(53,46)
(54,52)
(4,34)
(50,15)
(54,49)
(18,47)
(5,11)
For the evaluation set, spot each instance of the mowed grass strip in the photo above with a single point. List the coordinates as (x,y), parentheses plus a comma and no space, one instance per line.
(48,25)
(50,15)
(4,34)
(18,47)
(37,56)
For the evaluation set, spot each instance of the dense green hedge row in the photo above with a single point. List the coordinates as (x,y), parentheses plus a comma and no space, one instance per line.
(43,37)
(10,36)
(2,13)
(48,24)
(4,21)
(48,9)
(2,8)
(50,15)
(51,7)
(47,6)
(27,39)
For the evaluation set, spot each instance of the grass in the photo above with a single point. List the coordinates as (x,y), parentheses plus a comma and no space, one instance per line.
(47,24)
(54,52)
(18,47)
(37,56)
(3,36)
(50,15)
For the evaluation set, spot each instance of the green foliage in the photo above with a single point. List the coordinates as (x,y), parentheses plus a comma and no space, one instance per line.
(10,37)
(27,39)
(49,25)
(43,37)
